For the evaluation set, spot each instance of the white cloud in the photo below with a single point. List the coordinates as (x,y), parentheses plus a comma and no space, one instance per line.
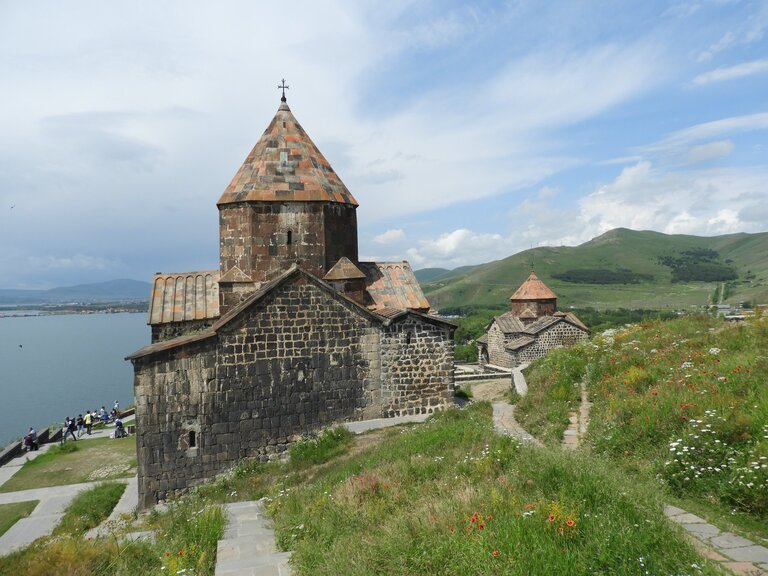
(641,197)
(75,262)
(457,248)
(709,151)
(389,236)
(751,28)
(681,139)
(742,70)
(704,202)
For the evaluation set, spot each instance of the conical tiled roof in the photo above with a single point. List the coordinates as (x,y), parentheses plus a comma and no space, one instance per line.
(533,289)
(286,166)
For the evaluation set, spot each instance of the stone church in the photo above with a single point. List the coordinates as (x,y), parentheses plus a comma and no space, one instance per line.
(530,329)
(291,334)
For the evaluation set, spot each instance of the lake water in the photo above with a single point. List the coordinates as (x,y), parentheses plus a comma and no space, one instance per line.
(57,366)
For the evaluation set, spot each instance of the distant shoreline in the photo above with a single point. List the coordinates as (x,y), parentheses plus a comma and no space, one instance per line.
(32,310)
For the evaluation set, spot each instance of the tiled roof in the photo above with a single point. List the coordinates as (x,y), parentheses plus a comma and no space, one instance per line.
(185,296)
(541,324)
(286,166)
(533,289)
(518,343)
(393,285)
(483,339)
(509,323)
(391,312)
(571,317)
(344,269)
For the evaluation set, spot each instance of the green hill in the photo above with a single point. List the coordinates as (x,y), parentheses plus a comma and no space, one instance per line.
(621,269)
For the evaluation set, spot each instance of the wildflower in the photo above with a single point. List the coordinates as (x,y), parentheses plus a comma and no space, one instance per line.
(570,523)
(551,517)
(495,553)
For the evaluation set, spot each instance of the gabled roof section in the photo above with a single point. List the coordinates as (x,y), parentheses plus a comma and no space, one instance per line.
(173,343)
(184,296)
(483,339)
(533,289)
(520,342)
(573,319)
(344,269)
(541,324)
(286,166)
(286,276)
(385,318)
(393,285)
(509,323)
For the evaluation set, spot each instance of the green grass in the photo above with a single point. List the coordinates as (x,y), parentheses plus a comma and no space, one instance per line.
(185,543)
(683,401)
(90,508)
(452,497)
(320,449)
(553,391)
(12,513)
(76,462)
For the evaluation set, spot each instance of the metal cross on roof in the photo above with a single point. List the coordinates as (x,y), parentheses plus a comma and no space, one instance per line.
(283,86)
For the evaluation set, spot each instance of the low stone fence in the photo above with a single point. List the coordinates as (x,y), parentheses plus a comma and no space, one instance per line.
(15,449)
(482,376)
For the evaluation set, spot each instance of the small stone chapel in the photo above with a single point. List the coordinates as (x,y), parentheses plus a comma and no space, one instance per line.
(292,333)
(530,329)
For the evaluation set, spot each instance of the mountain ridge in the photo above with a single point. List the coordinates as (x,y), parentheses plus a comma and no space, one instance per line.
(645,258)
(119,290)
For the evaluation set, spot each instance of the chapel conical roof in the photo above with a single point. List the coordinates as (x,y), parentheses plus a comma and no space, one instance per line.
(286,166)
(533,289)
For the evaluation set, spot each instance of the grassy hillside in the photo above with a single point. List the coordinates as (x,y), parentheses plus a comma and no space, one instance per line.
(640,255)
(684,402)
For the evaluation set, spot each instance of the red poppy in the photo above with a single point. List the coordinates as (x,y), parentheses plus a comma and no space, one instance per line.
(495,553)
(551,517)
(569,522)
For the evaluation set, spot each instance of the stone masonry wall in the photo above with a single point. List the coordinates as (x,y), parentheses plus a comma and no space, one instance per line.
(340,234)
(416,367)
(169,330)
(560,335)
(264,239)
(297,361)
(497,355)
(170,389)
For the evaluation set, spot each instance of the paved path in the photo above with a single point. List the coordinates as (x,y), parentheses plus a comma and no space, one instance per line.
(366,425)
(736,554)
(43,519)
(578,422)
(504,422)
(127,504)
(53,500)
(248,547)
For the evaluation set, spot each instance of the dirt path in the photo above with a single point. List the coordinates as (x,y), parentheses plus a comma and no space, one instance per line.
(491,390)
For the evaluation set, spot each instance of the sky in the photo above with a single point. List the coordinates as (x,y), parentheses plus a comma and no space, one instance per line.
(467,131)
